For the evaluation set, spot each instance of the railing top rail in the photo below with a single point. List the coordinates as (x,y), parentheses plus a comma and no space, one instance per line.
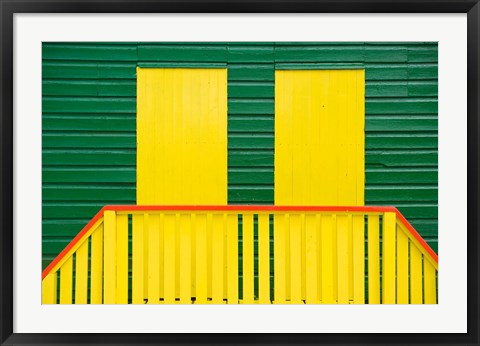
(238,208)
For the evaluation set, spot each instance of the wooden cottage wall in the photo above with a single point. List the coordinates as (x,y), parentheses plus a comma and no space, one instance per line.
(89,134)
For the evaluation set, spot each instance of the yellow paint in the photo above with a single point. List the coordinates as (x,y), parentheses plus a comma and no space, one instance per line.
(169,259)
(264,258)
(402,267)
(232,258)
(96,270)
(185,259)
(328,261)
(109,251)
(153,222)
(358,246)
(66,282)
(280,230)
(389,256)
(81,273)
(217,258)
(49,289)
(209,254)
(247,236)
(295,259)
(343,258)
(415,275)
(311,230)
(122,259)
(201,258)
(373,260)
(319,137)
(430,288)
(181,136)
(138,231)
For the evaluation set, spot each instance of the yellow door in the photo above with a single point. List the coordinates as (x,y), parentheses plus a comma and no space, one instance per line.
(319,137)
(181,136)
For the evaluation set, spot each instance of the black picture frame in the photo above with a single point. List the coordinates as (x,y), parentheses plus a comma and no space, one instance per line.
(10,7)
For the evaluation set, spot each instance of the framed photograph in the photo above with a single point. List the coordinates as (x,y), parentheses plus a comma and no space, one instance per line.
(239,177)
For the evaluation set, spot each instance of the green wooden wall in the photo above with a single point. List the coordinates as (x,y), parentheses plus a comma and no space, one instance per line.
(88,123)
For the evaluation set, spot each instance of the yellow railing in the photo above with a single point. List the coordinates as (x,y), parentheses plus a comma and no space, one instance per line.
(190,255)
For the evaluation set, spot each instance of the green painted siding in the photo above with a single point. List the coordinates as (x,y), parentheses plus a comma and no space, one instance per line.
(89,134)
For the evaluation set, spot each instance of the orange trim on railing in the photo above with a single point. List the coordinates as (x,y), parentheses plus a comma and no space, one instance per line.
(79,236)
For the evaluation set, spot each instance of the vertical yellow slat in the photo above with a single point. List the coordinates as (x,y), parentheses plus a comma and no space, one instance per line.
(209,255)
(146,243)
(389,256)
(328,262)
(161,258)
(154,251)
(49,289)
(96,270)
(66,281)
(373,260)
(201,258)
(232,258)
(342,258)
(185,259)
(248,277)
(81,273)
(169,259)
(109,252)
(430,283)
(415,275)
(402,267)
(358,240)
(295,259)
(137,258)
(122,259)
(280,228)
(217,258)
(264,258)
(311,259)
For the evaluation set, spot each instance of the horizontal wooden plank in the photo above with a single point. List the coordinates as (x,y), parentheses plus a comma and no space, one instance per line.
(94,87)
(98,158)
(62,228)
(386,72)
(400,193)
(250,141)
(247,53)
(119,193)
(250,90)
(88,175)
(386,89)
(180,53)
(400,176)
(402,158)
(424,53)
(243,123)
(419,211)
(426,71)
(419,89)
(88,104)
(250,176)
(84,70)
(319,54)
(390,141)
(254,158)
(89,122)
(401,106)
(89,140)
(250,195)
(399,124)
(250,106)
(72,210)
(385,54)
(60,51)
(251,72)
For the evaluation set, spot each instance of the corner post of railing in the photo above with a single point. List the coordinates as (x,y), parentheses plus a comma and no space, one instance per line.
(389,257)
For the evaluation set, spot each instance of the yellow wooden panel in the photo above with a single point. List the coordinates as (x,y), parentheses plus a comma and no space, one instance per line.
(217,261)
(343,257)
(232,258)
(110,260)
(264,258)
(328,260)
(137,258)
(209,254)
(122,259)
(81,273)
(280,230)
(96,270)
(295,259)
(430,288)
(373,260)
(415,275)
(311,253)
(154,251)
(248,277)
(389,257)
(402,267)
(185,273)
(319,137)
(66,281)
(181,136)
(49,289)
(201,258)
(169,259)
(358,255)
